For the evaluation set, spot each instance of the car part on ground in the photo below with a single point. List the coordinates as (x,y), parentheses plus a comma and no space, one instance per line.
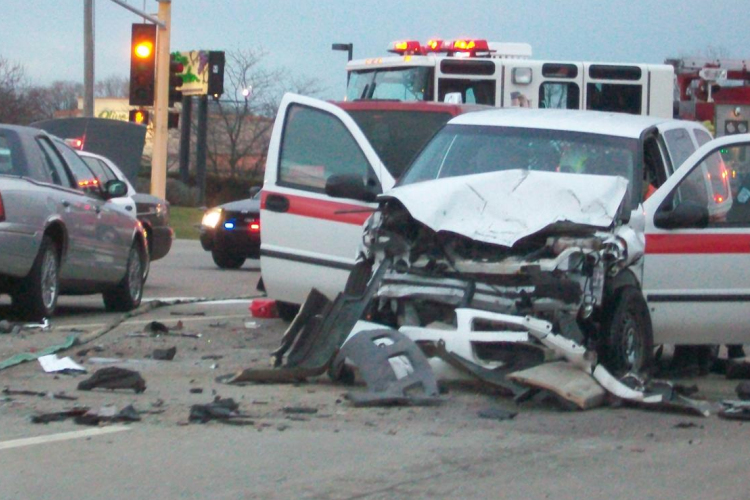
(394,369)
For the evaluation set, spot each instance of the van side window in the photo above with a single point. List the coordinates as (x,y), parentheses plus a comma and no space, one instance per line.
(721,184)
(316,145)
(679,144)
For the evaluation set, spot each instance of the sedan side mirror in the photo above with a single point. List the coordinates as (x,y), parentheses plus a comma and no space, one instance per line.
(115,189)
(685,215)
(352,186)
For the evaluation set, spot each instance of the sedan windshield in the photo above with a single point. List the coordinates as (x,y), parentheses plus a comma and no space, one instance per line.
(470,149)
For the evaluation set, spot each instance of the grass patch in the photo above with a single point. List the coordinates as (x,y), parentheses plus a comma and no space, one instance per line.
(185,222)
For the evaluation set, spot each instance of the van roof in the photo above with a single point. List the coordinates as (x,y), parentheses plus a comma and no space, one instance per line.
(592,122)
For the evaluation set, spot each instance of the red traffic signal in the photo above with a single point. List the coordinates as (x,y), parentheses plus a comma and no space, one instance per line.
(142,64)
(138,116)
(175,78)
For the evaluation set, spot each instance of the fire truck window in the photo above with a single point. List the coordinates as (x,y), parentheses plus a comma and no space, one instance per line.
(679,144)
(401,84)
(614,97)
(560,95)
(472,91)
(316,145)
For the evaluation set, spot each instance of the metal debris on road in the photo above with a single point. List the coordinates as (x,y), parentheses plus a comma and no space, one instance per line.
(224,410)
(497,413)
(59,395)
(164,354)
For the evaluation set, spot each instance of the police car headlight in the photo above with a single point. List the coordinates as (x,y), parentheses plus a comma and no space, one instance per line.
(211,218)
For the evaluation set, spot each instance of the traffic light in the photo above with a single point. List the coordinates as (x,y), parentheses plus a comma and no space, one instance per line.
(138,116)
(175,78)
(142,64)
(215,74)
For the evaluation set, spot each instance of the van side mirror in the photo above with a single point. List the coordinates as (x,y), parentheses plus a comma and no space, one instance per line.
(352,186)
(253,191)
(687,214)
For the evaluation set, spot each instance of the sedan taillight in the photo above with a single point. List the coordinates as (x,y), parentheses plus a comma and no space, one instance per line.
(2,209)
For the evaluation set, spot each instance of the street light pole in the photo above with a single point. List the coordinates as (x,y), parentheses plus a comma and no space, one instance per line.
(88,58)
(161,103)
(349,48)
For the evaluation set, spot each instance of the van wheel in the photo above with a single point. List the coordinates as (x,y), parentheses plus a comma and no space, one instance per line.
(128,293)
(226,260)
(627,342)
(287,311)
(37,294)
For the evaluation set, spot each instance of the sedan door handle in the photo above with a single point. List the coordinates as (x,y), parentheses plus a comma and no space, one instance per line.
(277,203)
(65,203)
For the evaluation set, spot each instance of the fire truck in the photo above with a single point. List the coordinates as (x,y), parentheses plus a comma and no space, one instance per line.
(716,91)
(474,71)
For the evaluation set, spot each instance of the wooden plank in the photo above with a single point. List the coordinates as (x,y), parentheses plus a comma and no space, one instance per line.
(565,380)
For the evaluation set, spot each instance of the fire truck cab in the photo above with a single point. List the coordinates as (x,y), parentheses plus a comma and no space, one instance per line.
(714,91)
(504,75)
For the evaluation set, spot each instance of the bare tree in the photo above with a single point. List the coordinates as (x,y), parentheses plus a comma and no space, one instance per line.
(12,92)
(112,86)
(239,135)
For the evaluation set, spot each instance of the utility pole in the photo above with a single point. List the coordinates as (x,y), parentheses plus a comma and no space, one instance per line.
(185,125)
(161,103)
(201,148)
(88,58)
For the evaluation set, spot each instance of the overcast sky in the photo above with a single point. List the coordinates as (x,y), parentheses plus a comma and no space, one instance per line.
(47,35)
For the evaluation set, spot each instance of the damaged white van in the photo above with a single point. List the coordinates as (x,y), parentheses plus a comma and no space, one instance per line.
(581,219)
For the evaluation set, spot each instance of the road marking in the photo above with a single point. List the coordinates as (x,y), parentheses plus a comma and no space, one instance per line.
(64,436)
(184,319)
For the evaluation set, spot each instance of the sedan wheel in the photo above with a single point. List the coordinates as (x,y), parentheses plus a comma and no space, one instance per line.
(37,295)
(127,295)
(227,260)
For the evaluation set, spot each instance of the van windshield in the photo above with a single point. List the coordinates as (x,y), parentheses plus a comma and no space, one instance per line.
(398,84)
(471,149)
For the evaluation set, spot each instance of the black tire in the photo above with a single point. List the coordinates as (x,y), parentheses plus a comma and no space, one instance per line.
(128,293)
(227,260)
(36,296)
(287,311)
(627,342)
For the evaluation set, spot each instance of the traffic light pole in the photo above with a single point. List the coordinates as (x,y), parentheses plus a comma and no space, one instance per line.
(161,103)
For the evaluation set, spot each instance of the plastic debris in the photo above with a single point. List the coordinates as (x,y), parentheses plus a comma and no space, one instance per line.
(164,354)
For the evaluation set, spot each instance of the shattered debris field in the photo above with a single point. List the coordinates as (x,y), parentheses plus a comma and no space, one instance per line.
(470,426)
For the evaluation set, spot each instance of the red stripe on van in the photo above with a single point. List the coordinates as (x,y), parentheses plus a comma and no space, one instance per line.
(322,209)
(697,243)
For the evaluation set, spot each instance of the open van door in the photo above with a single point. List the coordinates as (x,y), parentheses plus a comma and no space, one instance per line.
(309,238)
(698,247)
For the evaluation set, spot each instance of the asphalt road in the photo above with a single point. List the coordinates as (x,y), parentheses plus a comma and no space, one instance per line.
(332,451)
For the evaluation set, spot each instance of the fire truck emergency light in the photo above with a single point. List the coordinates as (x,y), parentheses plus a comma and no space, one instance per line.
(406,47)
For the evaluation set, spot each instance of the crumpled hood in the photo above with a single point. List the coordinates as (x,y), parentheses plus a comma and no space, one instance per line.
(503,207)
